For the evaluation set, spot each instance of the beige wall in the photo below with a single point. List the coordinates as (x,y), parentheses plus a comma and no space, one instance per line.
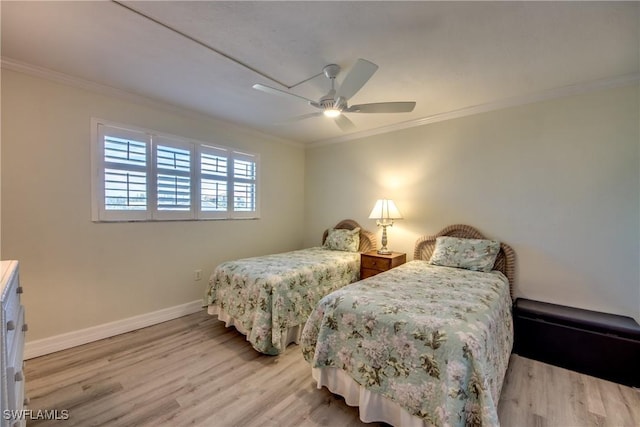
(558,180)
(79,274)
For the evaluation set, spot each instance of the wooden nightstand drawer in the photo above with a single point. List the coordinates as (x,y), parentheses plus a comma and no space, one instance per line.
(376,263)
(372,263)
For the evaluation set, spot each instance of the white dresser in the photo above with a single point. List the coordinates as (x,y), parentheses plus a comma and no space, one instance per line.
(12,333)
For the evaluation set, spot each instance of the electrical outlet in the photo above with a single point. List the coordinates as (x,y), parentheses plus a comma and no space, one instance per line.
(197,275)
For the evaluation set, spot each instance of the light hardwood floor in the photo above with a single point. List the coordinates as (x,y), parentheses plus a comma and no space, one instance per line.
(194,371)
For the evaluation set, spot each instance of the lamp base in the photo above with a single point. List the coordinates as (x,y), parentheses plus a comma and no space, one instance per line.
(383,250)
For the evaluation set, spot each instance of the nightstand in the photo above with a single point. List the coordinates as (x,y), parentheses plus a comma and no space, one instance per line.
(372,263)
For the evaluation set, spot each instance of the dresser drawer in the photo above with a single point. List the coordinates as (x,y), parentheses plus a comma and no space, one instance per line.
(15,374)
(12,289)
(15,386)
(376,263)
(15,345)
(19,392)
(11,307)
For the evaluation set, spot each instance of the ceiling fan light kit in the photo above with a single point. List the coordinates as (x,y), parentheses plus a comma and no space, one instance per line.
(334,103)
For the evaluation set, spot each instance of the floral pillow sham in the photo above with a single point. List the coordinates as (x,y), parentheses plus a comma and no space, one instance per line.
(471,254)
(341,239)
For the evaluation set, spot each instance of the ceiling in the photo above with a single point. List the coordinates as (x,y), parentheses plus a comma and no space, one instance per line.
(205,56)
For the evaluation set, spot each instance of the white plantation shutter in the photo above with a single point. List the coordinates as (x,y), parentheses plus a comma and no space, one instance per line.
(124,158)
(142,176)
(173,173)
(228,183)
(245,170)
(214,178)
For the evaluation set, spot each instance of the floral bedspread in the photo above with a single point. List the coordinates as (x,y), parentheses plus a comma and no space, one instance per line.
(267,295)
(435,340)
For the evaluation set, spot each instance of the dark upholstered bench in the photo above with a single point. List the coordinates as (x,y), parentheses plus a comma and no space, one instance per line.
(598,344)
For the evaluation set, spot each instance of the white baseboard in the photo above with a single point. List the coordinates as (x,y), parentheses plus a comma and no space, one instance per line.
(83,336)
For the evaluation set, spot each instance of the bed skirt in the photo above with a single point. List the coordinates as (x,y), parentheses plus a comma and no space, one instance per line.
(373,406)
(291,335)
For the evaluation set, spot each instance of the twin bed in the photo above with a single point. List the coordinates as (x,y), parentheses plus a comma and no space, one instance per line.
(425,343)
(269,298)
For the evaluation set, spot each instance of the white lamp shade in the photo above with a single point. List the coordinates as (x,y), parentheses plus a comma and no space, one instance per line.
(385,209)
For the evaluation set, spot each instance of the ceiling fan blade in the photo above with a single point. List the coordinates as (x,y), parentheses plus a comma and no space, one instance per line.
(382,107)
(274,91)
(359,74)
(298,118)
(344,123)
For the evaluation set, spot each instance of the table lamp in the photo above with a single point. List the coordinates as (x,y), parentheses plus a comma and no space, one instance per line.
(384,212)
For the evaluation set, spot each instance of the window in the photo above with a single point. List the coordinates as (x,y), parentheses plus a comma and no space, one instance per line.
(140,175)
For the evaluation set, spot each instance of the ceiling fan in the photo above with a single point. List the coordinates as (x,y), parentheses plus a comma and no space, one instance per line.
(334,103)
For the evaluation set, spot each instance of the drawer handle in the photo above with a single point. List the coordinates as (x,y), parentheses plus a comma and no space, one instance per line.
(19,290)
(25,327)
(11,325)
(18,376)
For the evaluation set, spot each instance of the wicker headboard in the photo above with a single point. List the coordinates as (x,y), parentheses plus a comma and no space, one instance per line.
(505,261)
(367,238)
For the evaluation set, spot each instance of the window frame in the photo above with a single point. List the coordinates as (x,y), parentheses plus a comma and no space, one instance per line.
(152,139)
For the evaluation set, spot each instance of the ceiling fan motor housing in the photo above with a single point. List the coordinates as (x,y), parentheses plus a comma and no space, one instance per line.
(331,71)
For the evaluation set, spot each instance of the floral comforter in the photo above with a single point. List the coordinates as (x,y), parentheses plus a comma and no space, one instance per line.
(267,295)
(435,340)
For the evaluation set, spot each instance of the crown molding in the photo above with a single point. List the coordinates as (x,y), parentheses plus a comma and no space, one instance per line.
(77,82)
(564,91)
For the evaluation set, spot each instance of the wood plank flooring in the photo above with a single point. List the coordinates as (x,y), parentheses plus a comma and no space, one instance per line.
(194,371)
